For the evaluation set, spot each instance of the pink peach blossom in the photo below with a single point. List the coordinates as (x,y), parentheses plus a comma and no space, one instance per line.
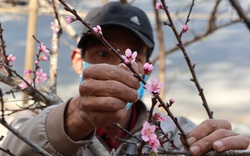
(129,56)
(44,58)
(53,27)
(11,58)
(24,85)
(158,5)
(148,68)
(147,132)
(171,101)
(154,143)
(98,29)
(40,76)
(154,87)
(184,28)
(43,48)
(27,72)
(69,19)
(157,116)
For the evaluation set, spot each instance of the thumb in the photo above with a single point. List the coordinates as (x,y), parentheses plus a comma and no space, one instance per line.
(124,66)
(135,66)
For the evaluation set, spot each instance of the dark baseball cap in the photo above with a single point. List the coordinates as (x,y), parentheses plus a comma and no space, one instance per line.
(123,15)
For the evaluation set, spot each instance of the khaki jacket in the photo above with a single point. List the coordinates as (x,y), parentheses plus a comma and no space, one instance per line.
(47,130)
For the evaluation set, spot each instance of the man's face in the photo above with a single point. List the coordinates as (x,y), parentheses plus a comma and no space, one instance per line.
(119,38)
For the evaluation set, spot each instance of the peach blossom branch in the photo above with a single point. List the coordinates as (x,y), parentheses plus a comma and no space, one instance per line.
(190,65)
(109,46)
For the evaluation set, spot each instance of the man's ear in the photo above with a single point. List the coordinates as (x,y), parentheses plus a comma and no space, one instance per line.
(76,60)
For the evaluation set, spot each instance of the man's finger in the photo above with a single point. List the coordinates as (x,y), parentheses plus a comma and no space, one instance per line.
(205,144)
(239,142)
(124,66)
(108,88)
(111,72)
(205,128)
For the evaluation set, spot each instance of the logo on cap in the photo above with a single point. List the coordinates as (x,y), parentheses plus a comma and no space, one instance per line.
(135,20)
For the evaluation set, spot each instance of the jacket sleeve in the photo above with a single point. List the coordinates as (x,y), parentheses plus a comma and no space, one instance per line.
(46,130)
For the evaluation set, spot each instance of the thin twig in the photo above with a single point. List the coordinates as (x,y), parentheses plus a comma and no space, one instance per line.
(7,152)
(171,115)
(166,136)
(3,46)
(30,87)
(15,132)
(190,65)
(151,111)
(30,107)
(240,12)
(197,38)
(59,33)
(188,16)
(47,97)
(123,129)
(229,153)
(2,103)
(26,140)
(55,50)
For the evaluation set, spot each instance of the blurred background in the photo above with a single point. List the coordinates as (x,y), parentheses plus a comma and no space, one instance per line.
(218,42)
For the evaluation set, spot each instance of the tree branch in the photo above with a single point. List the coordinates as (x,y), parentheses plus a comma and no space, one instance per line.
(26,140)
(55,50)
(47,97)
(240,12)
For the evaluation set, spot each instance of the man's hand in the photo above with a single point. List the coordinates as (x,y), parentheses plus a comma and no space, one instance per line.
(104,93)
(214,135)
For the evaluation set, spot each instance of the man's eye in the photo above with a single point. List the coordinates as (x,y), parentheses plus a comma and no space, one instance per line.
(103,53)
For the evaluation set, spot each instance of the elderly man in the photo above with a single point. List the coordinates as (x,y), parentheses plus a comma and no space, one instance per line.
(107,87)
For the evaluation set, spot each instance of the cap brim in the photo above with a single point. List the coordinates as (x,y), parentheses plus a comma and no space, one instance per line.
(144,39)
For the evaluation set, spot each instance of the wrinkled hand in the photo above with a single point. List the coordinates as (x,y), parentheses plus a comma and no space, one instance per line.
(214,135)
(104,93)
